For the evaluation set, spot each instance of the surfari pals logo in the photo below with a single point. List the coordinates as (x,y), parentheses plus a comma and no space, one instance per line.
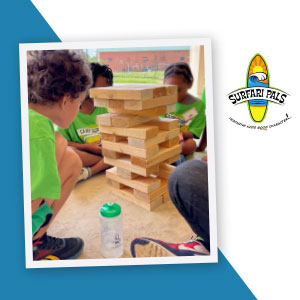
(259,96)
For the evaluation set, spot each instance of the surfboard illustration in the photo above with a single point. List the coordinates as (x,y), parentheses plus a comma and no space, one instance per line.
(258,76)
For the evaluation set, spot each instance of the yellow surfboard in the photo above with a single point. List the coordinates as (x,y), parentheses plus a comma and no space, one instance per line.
(258,76)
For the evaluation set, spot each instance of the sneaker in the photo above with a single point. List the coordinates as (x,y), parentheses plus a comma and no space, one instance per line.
(146,247)
(51,248)
(84,174)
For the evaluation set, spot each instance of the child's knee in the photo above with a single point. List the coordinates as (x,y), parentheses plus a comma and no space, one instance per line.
(188,146)
(70,164)
(74,159)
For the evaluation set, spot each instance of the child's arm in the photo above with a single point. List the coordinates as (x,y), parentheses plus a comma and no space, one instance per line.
(203,141)
(94,147)
(187,135)
(35,205)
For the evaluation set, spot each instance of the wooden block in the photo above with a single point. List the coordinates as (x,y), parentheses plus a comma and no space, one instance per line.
(166,198)
(156,203)
(150,112)
(105,119)
(109,103)
(142,131)
(115,104)
(165,170)
(161,156)
(120,120)
(143,184)
(162,136)
(171,89)
(170,143)
(150,196)
(127,194)
(173,159)
(126,174)
(112,137)
(123,147)
(164,123)
(171,108)
(132,91)
(124,163)
(112,154)
(101,102)
(150,103)
(114,183)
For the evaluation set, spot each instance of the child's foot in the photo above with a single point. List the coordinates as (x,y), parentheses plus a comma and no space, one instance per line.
(51,248)
(84,174)
(146,247)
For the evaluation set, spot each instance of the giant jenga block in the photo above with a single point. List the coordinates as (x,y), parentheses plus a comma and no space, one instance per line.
(133,91)
(138,143)
(149,112)
(136,104)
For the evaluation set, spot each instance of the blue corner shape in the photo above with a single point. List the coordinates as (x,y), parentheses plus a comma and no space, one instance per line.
(22,23)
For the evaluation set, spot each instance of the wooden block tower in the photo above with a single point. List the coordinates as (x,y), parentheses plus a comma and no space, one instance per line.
(138,143)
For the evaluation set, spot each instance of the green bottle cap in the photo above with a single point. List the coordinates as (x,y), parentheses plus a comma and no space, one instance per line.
(110,210)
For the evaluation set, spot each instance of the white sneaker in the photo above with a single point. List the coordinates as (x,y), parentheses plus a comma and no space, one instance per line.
(84,174)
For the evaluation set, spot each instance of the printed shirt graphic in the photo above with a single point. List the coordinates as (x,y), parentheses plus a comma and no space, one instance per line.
(83,129)
(191,117)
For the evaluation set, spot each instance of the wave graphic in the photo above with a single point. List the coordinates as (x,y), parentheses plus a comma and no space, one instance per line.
(256,78)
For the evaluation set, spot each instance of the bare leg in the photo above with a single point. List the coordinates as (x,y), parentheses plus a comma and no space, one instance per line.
(100,166)
(95,162)
(69,166)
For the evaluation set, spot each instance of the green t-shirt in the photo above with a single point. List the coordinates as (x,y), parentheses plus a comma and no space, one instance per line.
(45,181)
(191,116)
(84,129)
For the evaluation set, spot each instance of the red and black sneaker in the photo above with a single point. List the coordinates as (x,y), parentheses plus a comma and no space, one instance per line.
(51,248)
(147,247)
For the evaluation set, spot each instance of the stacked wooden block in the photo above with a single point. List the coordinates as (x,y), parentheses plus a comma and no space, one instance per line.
(138,143)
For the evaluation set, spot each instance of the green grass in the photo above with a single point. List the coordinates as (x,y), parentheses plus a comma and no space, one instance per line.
(155,77)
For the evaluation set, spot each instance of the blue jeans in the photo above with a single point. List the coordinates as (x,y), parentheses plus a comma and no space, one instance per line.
(188,188)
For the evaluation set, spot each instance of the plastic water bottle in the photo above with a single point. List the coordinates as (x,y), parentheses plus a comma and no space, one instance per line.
(111,230)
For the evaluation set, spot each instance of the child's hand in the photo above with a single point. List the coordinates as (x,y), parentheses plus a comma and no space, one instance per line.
(95,147)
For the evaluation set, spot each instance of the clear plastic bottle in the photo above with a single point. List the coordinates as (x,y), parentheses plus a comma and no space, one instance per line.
(111,230)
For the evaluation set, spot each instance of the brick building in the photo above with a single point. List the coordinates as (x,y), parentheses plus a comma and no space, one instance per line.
(142,59)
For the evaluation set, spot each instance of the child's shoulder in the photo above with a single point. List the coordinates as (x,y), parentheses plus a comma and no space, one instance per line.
(40,126)
(191,100)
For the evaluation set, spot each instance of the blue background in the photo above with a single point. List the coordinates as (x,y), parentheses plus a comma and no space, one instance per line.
(22,23)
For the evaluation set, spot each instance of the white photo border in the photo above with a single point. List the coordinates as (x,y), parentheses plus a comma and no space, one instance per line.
(213,257)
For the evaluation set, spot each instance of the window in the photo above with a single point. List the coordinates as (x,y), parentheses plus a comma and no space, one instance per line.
(109,59)
(181,58)
(145,58)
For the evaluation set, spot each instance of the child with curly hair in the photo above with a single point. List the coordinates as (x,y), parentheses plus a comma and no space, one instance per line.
(58,81)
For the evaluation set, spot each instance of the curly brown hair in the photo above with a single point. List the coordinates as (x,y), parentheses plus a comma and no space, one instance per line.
(54,73)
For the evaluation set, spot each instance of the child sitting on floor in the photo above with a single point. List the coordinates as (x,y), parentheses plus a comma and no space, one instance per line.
(189,110)
(58,81)
(83,134)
